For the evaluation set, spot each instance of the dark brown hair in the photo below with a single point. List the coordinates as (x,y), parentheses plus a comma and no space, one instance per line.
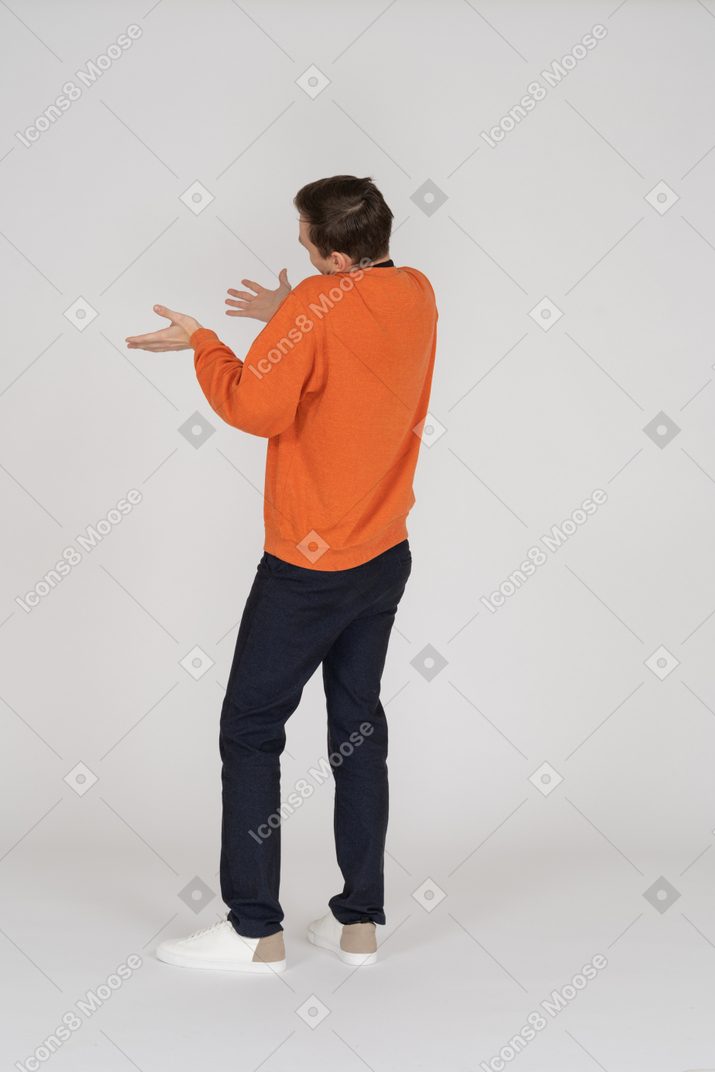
(346,215)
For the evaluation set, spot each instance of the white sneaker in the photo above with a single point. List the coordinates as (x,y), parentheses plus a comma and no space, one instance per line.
(354,943)
(220,946)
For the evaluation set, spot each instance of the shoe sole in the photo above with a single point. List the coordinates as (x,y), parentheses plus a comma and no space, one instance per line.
(357,959)
(257,967)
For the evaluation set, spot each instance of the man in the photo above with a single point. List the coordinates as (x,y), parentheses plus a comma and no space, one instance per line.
(338,382)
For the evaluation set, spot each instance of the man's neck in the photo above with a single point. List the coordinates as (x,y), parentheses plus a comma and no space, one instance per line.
(372,264)
(358,267)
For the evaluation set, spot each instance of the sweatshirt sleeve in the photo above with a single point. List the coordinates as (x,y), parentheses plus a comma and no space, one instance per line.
(259,395)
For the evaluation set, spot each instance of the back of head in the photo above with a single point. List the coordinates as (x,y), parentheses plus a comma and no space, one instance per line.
(346,215)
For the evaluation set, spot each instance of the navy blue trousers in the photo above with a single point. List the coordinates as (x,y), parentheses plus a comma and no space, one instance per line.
(296,618)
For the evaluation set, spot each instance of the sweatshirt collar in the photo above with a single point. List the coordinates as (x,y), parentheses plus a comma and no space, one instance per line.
(387,268)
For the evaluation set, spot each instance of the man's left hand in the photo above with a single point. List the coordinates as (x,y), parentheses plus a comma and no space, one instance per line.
(175,337)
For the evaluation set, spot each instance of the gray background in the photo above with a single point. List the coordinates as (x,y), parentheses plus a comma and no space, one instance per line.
(528,886)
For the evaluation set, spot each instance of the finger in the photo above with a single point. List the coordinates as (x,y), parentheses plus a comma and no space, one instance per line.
(158,347)
(254,286)
(243,294)
(153,336)
(163,311)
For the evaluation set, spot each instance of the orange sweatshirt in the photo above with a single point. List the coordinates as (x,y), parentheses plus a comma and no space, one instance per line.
(337,381)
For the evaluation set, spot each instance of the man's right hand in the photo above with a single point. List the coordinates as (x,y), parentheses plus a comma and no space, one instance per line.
(261,305)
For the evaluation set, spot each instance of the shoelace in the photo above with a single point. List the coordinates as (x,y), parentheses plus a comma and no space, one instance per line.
(211,927)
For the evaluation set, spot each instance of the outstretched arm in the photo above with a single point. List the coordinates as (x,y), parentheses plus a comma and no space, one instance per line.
(245,397)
